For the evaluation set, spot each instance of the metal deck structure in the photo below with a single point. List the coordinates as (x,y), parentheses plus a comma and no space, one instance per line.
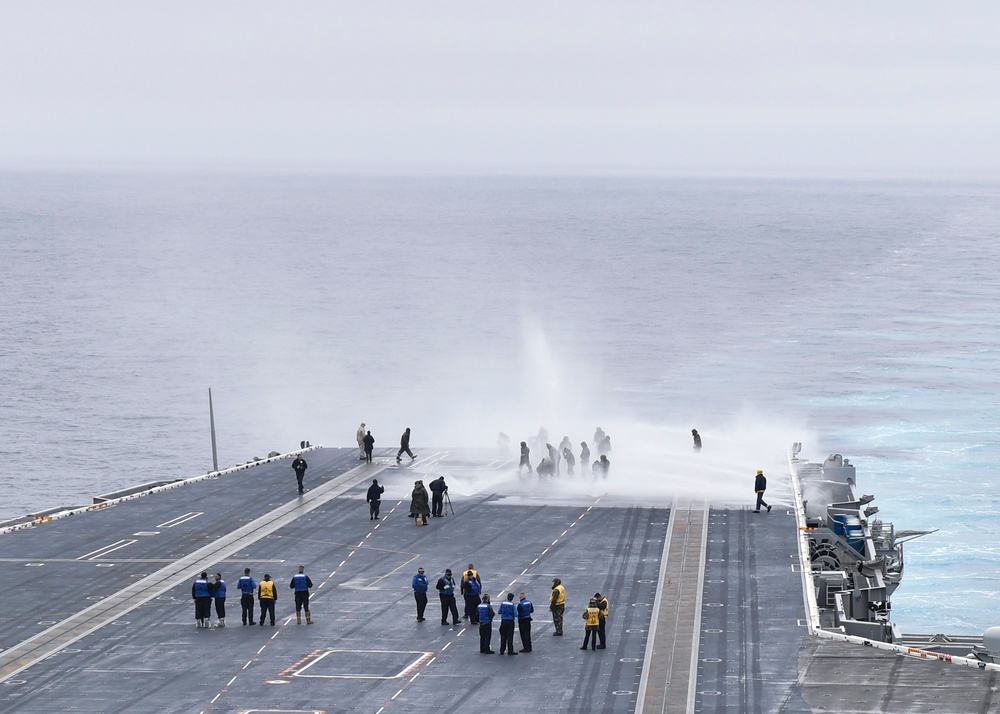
(706,604)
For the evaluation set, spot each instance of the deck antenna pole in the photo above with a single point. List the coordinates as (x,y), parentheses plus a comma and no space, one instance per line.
(211,418)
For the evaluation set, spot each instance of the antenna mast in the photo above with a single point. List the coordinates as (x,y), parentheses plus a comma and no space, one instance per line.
(211,418)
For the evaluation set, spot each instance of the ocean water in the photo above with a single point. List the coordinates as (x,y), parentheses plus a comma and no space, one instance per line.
(859,317)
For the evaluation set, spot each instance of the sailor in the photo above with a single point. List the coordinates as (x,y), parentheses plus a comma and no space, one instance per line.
(697,439)
(604,447)
(524,610)
(554,458)
(438,489)
(569,459)
(543,436)
(760,485)
(525,460)
(219,593)
(485,615)
(605,609)
(301,583)
(267,594)
(361,442)
(300,467)
(545,467)
(565,444)
(584,455)
(247,586)
(470,588)
(419,585)
(446,591)
(369,446)
(598,437)
(374,499)
(419,507)
(404,446)
(201,591)
(601,467)
(508,616)
(557,605)
(592,616)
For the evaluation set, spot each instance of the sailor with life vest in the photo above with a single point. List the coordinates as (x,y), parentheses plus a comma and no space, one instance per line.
(470,588)
(201,591)
(605,609)
(247,587)
(508,616)
(524,611)
(592,616)
(419,585)
(484,616)
(301,583)
(557,605)
(266,595)
(446,591)
(219,593)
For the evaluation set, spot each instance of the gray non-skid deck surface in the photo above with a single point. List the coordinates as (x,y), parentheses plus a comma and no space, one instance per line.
(847,679)
(755,655)
(752,608)
(366,652)
(70,567)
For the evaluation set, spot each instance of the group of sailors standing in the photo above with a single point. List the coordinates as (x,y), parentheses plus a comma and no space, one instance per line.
(479,611)
(204,592)
(555,456)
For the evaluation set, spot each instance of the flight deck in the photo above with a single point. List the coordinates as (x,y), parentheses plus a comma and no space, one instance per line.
(707,607)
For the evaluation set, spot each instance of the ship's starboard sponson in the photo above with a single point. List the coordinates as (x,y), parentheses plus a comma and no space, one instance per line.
(856,560)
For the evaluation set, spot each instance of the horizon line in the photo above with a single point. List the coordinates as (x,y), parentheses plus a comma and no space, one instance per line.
(485,169)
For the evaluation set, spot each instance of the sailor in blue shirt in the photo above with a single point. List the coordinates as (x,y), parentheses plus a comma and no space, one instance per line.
(300,584)
(524,610)
(508,614)
(471,586)
(485,613)
(219,593)
(247,587)
(446,591)
(201,591)
(419,585)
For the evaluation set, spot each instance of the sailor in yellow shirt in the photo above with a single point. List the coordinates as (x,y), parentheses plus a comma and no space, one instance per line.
(605,607)
(593,617)
(557,605)
(267,594)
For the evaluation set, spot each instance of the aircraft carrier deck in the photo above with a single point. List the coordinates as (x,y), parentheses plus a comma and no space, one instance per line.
(707,606)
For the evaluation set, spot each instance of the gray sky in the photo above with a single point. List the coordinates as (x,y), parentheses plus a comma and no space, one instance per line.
(693,86)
